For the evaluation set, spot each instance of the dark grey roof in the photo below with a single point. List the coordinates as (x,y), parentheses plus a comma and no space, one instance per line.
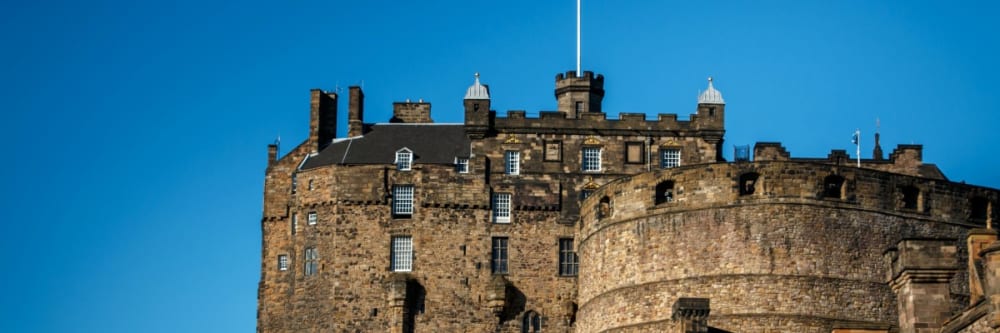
(430,143)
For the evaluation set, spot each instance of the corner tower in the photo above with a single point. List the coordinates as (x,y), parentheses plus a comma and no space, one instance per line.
(477,109)
(579,94)
(710,118)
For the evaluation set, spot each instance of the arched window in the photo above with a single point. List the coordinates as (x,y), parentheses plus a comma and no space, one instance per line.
(531,323)
(833,187)
(664,192)
(748,183)
(911,197)
(979,208)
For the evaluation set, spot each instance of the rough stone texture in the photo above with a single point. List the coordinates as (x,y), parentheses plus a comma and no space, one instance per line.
(795,255)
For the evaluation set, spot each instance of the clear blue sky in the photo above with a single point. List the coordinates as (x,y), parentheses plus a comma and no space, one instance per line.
(132,185)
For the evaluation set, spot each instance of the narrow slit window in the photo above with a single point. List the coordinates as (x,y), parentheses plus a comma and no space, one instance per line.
(498,259)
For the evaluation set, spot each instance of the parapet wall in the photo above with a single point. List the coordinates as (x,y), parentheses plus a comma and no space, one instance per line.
(790,252)
(631,123)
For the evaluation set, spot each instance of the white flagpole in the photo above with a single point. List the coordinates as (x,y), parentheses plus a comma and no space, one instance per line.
(857,135)
(578,38)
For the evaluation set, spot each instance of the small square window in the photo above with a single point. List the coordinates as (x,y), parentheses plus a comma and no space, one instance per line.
(670,157)
(402,254)
(283,262)
(584,194)
(591,159)
(312,218)
(462,165)
(512,162)
(501,207)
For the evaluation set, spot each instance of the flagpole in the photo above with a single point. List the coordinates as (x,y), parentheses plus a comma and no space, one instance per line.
(857,134)
(578,38)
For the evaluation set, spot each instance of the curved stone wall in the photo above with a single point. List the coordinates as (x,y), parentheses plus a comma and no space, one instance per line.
(789,253)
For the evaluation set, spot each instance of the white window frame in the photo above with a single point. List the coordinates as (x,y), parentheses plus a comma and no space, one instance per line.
(590,159)
(512,162)
(461,165)
(295,223)
(501,207)
(401,254)
(312,218)
(282,262)
(404,159)
(670,158)
(402,200)
(311,261)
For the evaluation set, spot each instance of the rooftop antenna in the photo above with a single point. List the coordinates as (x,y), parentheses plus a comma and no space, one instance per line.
(578,38)
(277,144)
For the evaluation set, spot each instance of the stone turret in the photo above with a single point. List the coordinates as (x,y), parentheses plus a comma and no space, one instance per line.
(579,94)
(477,109)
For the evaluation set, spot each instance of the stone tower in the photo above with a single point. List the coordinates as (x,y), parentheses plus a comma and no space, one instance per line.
(576,94)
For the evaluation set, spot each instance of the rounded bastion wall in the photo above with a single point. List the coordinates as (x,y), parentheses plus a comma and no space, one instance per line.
(772,244)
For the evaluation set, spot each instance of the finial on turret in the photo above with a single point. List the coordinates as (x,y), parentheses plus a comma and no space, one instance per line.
(477,90)
(710,95)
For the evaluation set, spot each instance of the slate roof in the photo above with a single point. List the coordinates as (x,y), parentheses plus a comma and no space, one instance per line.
(430,143)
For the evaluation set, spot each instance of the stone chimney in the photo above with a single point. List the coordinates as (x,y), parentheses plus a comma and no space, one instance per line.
(272,154)
(322,118)
(355,112)
(409,112)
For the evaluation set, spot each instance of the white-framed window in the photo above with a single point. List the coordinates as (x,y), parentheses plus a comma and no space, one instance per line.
(402,254)
(512,162)
(282,262)
(404,159)
(312,261)
(568,262)
(295,183)
(462,165)
(591,159)
(498,258)
(295,223)
(670,157)
(312,219)
(402,200)
(501,207)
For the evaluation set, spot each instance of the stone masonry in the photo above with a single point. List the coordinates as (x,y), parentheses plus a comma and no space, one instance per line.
(576,222)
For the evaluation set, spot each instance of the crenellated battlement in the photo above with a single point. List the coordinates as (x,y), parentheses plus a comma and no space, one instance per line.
(906,159)
(627,123)
(798,181)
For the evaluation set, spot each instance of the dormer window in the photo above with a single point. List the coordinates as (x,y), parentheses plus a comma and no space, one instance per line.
(461,165)
(404,159)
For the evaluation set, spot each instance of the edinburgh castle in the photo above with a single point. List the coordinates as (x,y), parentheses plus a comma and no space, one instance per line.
(574,221)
